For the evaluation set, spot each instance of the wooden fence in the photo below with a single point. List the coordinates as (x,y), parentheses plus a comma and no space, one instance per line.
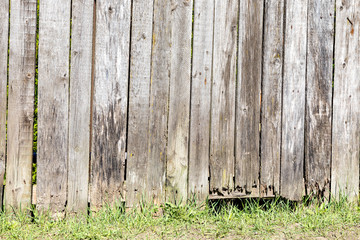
(170,100)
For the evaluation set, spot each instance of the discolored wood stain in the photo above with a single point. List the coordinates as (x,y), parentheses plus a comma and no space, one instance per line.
(110,101)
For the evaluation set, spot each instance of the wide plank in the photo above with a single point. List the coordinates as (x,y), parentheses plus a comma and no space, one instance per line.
(79,109)
(4,34)
(199,153)
(293,111)
(110,102)
(346,113)
(271,95)
(53,105)
(139,100)
(223,98)
(21,104)
(179,102)
(319,96)
(159,95)
(248,97)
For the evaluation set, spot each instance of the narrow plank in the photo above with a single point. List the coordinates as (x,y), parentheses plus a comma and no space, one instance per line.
(223,98)
(159,93)
(346,113)
(79,109)
(110,101)
(53,95)
(248,97)
(139,100)
(179,102)
(271,97)
(199,153)
(21,104)
(4,25)
(293,114)
(319,96)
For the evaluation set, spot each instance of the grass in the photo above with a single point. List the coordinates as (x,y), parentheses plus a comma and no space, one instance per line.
(249,219)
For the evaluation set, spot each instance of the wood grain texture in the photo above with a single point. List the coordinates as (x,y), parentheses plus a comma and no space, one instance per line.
(199,153)
(53,98)
(346,113)
(110,101)
(271,97)
(139,100)
(223,98)
(293,114)
(159,94)
(4,33)
(319,96)
(179,102)
(248,97)
(21,104)
(79,110)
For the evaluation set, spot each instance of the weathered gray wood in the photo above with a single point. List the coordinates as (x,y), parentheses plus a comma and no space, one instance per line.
(139,99)
(79,110)
(159,93)
(319,96)
(201,100)
(223,98)
(53,95)
(346,113)
(271,97)
(110,101)
(179,102)
(4,24)
(293,114)
(21,104)
(248,97)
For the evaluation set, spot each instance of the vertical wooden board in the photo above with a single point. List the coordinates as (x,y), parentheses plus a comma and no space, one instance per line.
(21,104)
(110,101)
(248,97)
(293,114)
(79,110)
(200,99)
(159,93)
(223,98)
(319,96)
(346,113)
(4,25)
(271,97)
(179,102)
(139,99)
(53,94)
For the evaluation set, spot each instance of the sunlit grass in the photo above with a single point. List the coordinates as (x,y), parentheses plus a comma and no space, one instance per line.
(251,219)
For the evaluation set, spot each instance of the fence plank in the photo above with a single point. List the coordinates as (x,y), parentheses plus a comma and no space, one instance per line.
(319,96)
(159,92)
(110,101)
(53,94)
(139,99)
(179,102)
(293,114)
(248,97)
(21,104)
(4,24)
(346,114)
(271,97)
(79,110)
(201,99)
(223,98)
